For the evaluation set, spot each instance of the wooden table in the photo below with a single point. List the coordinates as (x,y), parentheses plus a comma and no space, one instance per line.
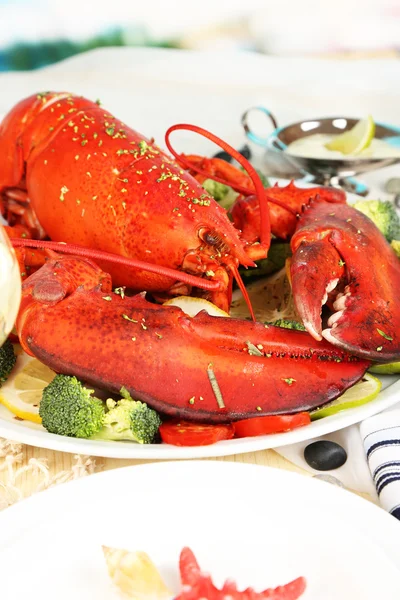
(29,482)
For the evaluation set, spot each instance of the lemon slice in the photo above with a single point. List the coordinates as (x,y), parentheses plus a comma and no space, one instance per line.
(356,140)
(135,575)
(192,306)
(22,391)
(362,392)
(387,369)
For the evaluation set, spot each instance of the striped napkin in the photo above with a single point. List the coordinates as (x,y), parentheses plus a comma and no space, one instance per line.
(381,439)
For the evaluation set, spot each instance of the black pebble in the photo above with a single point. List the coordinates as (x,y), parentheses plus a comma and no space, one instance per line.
(224,156)
(244,151)
(324,455)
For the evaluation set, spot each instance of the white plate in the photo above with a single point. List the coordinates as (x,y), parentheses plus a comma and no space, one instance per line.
(36,435)
(140,77)
(241,521)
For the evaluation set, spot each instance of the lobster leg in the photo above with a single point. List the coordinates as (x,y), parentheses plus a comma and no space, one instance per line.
(342,246)
(72,322)
(285,205)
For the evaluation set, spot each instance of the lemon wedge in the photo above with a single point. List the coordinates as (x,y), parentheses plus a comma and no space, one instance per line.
(362,392)
(135,575)
(192,306)
(356,139)
(22,391)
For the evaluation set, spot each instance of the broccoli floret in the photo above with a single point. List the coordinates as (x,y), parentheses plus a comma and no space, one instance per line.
(130,420)
(7,360)
(288,324)
(264,178)
(277,255)
(223,194)
(383,214)
(396,246)
(68,408)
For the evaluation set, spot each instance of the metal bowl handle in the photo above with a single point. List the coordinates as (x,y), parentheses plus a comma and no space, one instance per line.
(249,133)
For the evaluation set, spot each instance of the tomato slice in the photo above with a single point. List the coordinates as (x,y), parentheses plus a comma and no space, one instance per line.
(185,433)
(270,424)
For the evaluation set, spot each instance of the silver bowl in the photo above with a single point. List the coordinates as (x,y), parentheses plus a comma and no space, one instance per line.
(323,171)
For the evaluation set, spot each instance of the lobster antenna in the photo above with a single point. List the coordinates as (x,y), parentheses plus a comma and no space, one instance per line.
(64,248)
(242,288)
(265,233)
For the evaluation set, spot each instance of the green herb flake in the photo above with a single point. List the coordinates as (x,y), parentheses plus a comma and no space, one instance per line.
(191,400)
(215,387)
(253,350)
(120,291)
(129,319)
(384,335)
(108,298)
(289,380)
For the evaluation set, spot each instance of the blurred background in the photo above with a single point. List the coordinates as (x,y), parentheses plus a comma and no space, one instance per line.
(35,33)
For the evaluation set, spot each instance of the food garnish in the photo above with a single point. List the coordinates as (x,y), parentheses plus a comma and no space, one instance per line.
(8,359)
(186,433)
(135,575)
(384,215)
(69,408)
(137,578)
(356,140)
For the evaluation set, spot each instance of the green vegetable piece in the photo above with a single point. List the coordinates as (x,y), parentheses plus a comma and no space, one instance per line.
(387,369)
(361,393)
(264,178)
(129,420)
(289,324)
(396,246)
(277,255)
(222,193)
(383,214)
(7,360)
(68,408)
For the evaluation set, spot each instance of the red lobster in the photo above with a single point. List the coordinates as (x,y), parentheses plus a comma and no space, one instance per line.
(73,172)
(215,369)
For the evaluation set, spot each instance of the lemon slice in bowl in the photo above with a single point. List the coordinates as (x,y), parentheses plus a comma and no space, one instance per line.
(22,391)
(356,139)
(192,306)
(362,392)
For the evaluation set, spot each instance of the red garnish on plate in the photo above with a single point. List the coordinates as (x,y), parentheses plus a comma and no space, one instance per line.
(270,424)
(185,433)
(197,585)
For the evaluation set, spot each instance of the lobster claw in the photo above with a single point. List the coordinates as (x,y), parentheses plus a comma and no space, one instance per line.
(214,369)
(339,248)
